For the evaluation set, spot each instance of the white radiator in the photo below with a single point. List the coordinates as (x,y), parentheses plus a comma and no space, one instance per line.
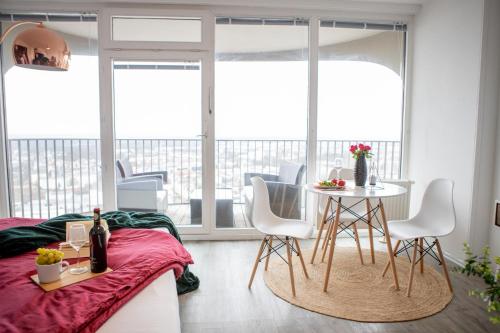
(398,208)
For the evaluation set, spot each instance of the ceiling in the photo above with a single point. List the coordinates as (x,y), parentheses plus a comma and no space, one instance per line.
(359,5)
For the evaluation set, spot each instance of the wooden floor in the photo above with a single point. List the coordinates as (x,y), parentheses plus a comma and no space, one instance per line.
(181,214)
(223,302)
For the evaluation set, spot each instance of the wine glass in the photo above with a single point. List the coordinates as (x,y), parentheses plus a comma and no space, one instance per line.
(77,239)
(338,164)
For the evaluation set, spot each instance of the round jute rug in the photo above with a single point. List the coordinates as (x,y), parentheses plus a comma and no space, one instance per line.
(359,292)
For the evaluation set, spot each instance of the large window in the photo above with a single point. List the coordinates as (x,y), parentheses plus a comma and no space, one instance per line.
(206,142)
(360,95)
(53,127)
(261,89)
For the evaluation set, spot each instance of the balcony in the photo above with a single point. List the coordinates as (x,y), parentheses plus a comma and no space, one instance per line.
(49,177)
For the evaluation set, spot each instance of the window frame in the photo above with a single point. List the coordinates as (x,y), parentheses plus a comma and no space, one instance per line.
(314,16)
(106,33)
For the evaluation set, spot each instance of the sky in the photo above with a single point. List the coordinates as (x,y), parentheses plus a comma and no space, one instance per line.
(253,100)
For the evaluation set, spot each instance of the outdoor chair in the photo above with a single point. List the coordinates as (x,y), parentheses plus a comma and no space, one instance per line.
(285,191)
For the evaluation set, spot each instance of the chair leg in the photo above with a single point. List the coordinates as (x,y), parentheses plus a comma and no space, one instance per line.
(445,268)
(290,266)
(269,249)
(323,222)
(299,251)
(396,247)
(257,262)
(421,246)
(412,270)
(358,245)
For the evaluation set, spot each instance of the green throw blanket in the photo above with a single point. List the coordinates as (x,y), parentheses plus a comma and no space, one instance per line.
(18,240)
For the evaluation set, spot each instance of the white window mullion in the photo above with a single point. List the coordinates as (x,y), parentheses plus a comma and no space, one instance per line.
(312,123)
(4,188)
(107,123)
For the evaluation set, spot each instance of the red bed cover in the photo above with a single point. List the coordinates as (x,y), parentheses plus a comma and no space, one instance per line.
(137,257)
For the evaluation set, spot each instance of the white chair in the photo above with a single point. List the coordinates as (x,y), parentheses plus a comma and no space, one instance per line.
(142,193)
(276,228)
(436,218)
(345,216)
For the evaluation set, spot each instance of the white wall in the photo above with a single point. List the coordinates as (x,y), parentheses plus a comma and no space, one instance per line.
(495,230)
(485,191)
(494,29)
(444,105)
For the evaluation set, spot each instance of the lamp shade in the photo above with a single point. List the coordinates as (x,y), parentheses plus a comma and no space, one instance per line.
(41,48)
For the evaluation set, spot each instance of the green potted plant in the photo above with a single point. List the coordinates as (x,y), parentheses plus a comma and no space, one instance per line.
(482,267)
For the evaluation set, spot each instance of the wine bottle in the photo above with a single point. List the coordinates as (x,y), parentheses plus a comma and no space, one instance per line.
(98,246)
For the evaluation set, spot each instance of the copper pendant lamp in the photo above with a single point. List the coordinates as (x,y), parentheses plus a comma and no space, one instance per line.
(39,48)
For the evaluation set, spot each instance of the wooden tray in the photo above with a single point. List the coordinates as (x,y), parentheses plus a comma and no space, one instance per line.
(69,279)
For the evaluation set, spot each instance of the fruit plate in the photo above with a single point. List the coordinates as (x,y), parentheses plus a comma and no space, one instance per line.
(331,188)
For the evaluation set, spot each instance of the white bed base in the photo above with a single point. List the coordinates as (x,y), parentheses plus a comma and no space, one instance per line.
(154,309)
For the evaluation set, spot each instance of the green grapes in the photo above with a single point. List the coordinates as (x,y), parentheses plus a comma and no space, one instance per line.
(48,256)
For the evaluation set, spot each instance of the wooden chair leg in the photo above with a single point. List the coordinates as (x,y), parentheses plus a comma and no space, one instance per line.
(396,247)
(269,249)
(413,264)
(370,229)
(358,245)
(257,262)
(445,268)
(421,246)
(323,222)
(299,251)
(328,237)
(290,266)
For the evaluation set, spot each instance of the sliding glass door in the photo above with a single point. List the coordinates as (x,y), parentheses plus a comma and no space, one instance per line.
(158,110)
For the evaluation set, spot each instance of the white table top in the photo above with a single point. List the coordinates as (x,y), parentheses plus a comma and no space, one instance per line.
(351,191)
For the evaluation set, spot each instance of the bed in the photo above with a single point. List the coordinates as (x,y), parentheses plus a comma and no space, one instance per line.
(162,314)
(152,307)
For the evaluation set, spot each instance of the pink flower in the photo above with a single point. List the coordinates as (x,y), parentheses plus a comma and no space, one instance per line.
(361,146)
(368,148)
(353,148)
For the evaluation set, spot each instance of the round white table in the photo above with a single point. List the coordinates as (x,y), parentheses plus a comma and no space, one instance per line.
(364,194)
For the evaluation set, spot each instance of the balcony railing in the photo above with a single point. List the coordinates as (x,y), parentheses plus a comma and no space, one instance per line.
(49,177)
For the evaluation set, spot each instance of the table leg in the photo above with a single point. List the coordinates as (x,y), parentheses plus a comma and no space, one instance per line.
(358,245)
(370,229)
(332,244)
(421,246)
(327,239)
(389,245)
(396,247)
(323,222)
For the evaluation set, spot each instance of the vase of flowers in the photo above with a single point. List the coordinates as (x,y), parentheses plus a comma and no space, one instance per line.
(360,153)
